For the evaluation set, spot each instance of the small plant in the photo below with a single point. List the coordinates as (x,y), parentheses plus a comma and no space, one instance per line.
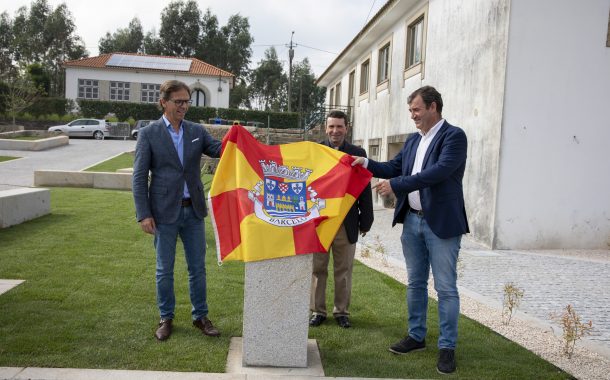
(365,251)
(512,299)
(573,328)
(460,267)
(375,247)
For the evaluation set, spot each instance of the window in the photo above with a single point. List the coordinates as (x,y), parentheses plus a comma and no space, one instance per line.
(350,88)
(338,95)
(119,91)
(383,67)
(88,89)
(150,93)
(415,39)
(364,76)
(374,152)
(331,98)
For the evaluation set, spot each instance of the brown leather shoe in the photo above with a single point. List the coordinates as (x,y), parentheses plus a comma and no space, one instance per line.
(205,325)
(164,330)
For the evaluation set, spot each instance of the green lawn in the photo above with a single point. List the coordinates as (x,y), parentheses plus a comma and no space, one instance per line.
(121,161)
(89,302)
(7,158)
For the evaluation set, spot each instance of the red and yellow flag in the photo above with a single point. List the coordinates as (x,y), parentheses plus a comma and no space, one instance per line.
(282,200)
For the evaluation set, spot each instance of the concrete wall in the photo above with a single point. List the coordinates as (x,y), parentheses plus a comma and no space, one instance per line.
(207,84)
(554,184)
(465,61)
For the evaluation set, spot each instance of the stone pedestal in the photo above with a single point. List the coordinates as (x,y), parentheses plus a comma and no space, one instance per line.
(276,312)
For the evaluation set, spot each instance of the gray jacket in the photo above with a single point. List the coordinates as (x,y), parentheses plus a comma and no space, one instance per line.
(155,152)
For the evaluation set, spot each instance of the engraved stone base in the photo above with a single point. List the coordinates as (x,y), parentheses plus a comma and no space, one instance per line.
(276,312)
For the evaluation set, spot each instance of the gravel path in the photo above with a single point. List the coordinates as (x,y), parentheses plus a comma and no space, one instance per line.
(591,359)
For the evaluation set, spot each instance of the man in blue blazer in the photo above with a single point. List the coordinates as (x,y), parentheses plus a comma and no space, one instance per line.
(173,202)
(426,178)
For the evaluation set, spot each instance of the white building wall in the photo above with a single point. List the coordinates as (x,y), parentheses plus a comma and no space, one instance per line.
(208,84)
(554,184)
(465,62)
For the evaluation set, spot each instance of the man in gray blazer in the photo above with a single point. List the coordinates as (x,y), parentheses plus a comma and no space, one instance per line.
(173,203)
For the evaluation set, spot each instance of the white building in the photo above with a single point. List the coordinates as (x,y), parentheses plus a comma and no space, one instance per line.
(528,81)
(137,78)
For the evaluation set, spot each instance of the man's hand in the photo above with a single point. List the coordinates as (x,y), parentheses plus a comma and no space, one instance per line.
(148,225)
(358,161)
(383,188)
(363,233)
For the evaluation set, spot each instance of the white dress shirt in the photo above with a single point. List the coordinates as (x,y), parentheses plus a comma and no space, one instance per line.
(424,143)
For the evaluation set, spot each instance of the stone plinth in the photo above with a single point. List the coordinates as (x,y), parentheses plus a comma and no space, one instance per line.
(276,312)
(97,180)
(20,205)
(42,144)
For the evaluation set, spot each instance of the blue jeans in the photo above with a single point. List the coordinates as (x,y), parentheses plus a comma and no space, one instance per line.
(423,249)
(192,233)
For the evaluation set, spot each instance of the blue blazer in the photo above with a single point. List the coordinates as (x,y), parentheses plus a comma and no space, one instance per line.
(439,182)
(155,152)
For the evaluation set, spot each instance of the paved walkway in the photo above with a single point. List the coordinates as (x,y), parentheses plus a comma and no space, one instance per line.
(551,279)
(78,155)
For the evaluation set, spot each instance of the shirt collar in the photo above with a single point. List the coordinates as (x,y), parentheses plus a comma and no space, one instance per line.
(168,125)
(432,130)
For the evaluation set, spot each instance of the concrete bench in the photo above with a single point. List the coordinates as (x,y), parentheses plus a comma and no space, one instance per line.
(20,205)
(97,180)
(34,145)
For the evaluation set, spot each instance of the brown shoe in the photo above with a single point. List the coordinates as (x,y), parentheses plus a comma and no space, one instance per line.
(164,330)
(205,325)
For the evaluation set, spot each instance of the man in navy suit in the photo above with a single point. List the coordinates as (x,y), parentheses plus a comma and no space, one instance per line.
(426,178)
(173,203)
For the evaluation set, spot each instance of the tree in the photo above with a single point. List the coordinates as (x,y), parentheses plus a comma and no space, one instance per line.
(268,83)
(306,95)
(239,40)
(240,95)
(61,44)
(128,40)
(7,52)
(21,93)
(213,45)
(152,44)
(39,77)
(45,36)
(180,28)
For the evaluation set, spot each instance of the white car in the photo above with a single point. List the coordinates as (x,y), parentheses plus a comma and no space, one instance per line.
(96,128)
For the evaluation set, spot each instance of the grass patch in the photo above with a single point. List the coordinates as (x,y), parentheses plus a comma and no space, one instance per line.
(121,161)
(7,158)
(89,302)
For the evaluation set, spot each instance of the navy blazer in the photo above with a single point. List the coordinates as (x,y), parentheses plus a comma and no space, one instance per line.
(155,152)
(360,215)
(439,182)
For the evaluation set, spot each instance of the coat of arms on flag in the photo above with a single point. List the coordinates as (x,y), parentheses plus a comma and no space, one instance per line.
(282,200)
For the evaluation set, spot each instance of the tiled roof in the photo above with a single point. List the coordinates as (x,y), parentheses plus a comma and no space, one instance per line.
(198,67)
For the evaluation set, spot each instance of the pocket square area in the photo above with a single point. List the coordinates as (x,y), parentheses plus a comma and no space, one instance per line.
(195,139)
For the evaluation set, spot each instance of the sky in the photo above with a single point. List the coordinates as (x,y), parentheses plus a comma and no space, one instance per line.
(322,28)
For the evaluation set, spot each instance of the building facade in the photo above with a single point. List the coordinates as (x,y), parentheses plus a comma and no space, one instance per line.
(527,81)
(127,77)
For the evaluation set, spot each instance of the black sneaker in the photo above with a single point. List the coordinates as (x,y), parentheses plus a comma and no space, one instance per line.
(406,345)
(446,361)
(316,320)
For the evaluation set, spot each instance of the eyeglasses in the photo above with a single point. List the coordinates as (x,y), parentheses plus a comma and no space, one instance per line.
(180,102)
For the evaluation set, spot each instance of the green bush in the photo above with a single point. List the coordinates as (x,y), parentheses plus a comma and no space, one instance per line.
(48,106)
(123,110)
